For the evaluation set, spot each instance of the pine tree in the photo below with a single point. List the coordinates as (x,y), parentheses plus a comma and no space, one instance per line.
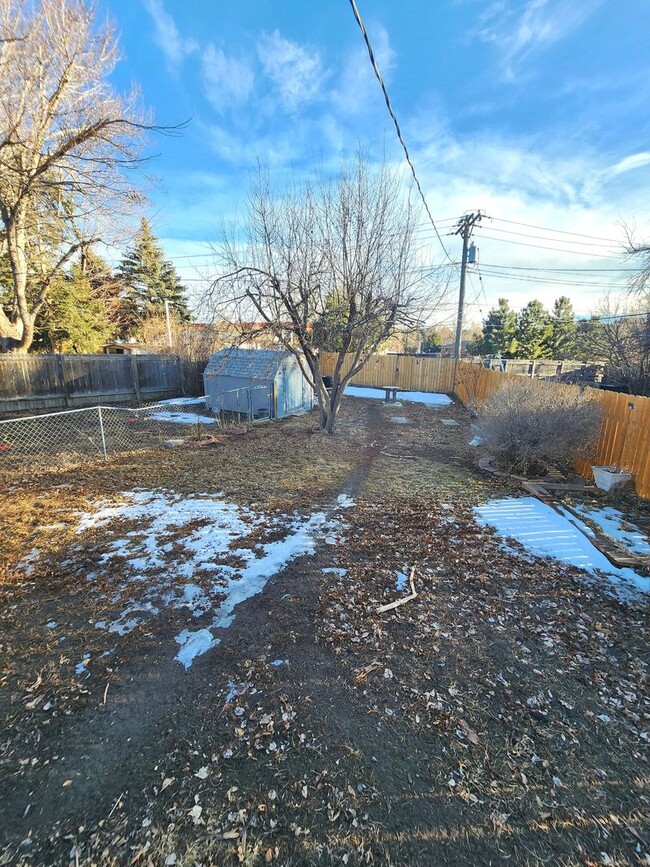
(74,318)
(149,280)
(561,342)
(533,331)
(499,331)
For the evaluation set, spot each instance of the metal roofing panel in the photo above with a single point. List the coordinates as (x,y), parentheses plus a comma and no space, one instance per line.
(258,364)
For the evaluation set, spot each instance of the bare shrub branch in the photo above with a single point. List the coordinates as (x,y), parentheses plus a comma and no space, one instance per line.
(532,426)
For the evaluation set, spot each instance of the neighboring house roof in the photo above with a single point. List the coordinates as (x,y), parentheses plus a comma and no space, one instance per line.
(260,364)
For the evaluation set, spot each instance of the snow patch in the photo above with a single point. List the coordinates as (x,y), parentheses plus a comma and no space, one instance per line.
(183,401)
(184,537)
(414,396)
(182,418)
(345,502)
(614,524)
(545,533)
(193,644)
(401,581)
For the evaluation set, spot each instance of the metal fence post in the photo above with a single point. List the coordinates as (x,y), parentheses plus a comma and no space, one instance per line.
(101,428)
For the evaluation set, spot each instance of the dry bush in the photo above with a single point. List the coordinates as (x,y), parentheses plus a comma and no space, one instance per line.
(532,426)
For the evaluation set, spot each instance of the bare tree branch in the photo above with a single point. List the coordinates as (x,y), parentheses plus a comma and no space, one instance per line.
(326,255)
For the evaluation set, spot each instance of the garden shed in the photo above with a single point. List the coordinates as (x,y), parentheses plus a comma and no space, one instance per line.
(260,382)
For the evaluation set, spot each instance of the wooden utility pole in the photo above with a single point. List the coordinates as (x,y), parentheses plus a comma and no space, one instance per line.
(465,226)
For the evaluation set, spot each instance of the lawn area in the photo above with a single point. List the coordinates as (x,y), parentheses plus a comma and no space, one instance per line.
(196,669)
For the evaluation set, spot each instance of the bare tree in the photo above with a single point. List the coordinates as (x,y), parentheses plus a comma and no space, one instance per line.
(337,255)
(621,337)
(67,141)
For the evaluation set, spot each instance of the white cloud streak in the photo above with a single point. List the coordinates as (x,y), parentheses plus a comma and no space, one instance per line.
(167,36)
(520,32)
(227,81)
(295,70)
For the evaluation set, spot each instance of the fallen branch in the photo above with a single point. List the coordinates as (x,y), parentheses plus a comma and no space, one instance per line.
(412,595)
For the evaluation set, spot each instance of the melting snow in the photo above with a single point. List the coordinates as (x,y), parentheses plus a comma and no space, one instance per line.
(401,581)
(413,396)
(545,533)
(182,417)
(182,537)
(344,501)
(614,524)
(183,401)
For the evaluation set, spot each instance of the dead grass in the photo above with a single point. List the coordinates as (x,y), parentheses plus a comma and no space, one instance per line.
(465,727)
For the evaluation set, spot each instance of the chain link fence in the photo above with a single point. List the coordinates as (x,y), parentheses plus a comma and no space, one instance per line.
(102,431)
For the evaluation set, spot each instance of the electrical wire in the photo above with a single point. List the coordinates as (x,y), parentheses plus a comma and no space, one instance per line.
(379,78)
(555,231)
(552,240)
(554,249)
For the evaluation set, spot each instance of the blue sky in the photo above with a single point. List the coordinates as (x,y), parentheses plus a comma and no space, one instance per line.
(535,111)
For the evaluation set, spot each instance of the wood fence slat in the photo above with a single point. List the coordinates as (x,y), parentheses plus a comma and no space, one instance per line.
(625,435)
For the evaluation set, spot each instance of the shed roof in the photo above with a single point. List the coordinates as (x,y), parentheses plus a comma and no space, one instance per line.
(246,363)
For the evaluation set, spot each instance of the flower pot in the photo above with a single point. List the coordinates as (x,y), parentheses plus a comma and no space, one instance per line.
(610,478)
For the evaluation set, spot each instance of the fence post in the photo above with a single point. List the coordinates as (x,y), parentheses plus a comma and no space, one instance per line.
(101,428)
(135,377)
(182,376)
(62,381)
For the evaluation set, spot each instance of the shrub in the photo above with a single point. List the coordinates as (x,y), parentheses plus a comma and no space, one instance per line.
(532,426)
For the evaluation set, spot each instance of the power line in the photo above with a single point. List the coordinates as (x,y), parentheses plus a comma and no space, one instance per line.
(564,270)
(379,78)
(547,280)
(552,240)
(555,231)
(554,249)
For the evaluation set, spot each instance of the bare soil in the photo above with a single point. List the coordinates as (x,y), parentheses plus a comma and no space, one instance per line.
(499,717)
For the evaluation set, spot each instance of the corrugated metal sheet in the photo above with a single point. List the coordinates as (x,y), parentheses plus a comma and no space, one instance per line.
(252,364)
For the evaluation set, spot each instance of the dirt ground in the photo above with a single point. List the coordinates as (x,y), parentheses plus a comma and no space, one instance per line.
(500,717)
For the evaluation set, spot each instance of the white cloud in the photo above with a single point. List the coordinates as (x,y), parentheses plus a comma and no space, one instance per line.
(628,164)
(519,32)
(167,35)
(358,88)
(295,70)
(227,81)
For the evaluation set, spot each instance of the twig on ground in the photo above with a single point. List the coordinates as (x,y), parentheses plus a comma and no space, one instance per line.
(412,595)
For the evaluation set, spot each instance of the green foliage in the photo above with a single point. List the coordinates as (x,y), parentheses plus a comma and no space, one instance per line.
(148,281)
(499,331)
(534,329)
(74,319)
(431,341)
(561,341)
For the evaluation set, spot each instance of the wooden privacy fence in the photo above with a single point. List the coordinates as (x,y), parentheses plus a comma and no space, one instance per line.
(412,372)
(40,382)
(625,438)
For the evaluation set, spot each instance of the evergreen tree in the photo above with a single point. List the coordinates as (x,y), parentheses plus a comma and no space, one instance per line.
(533,331)
(431,341)
(74,319)
(561,342)
(499,331)
(149,280)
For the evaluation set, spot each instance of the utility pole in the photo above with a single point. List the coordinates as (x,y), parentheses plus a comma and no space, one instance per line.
(465,226)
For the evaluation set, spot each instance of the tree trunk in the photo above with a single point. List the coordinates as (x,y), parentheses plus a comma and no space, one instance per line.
(23,329)
(11,333)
